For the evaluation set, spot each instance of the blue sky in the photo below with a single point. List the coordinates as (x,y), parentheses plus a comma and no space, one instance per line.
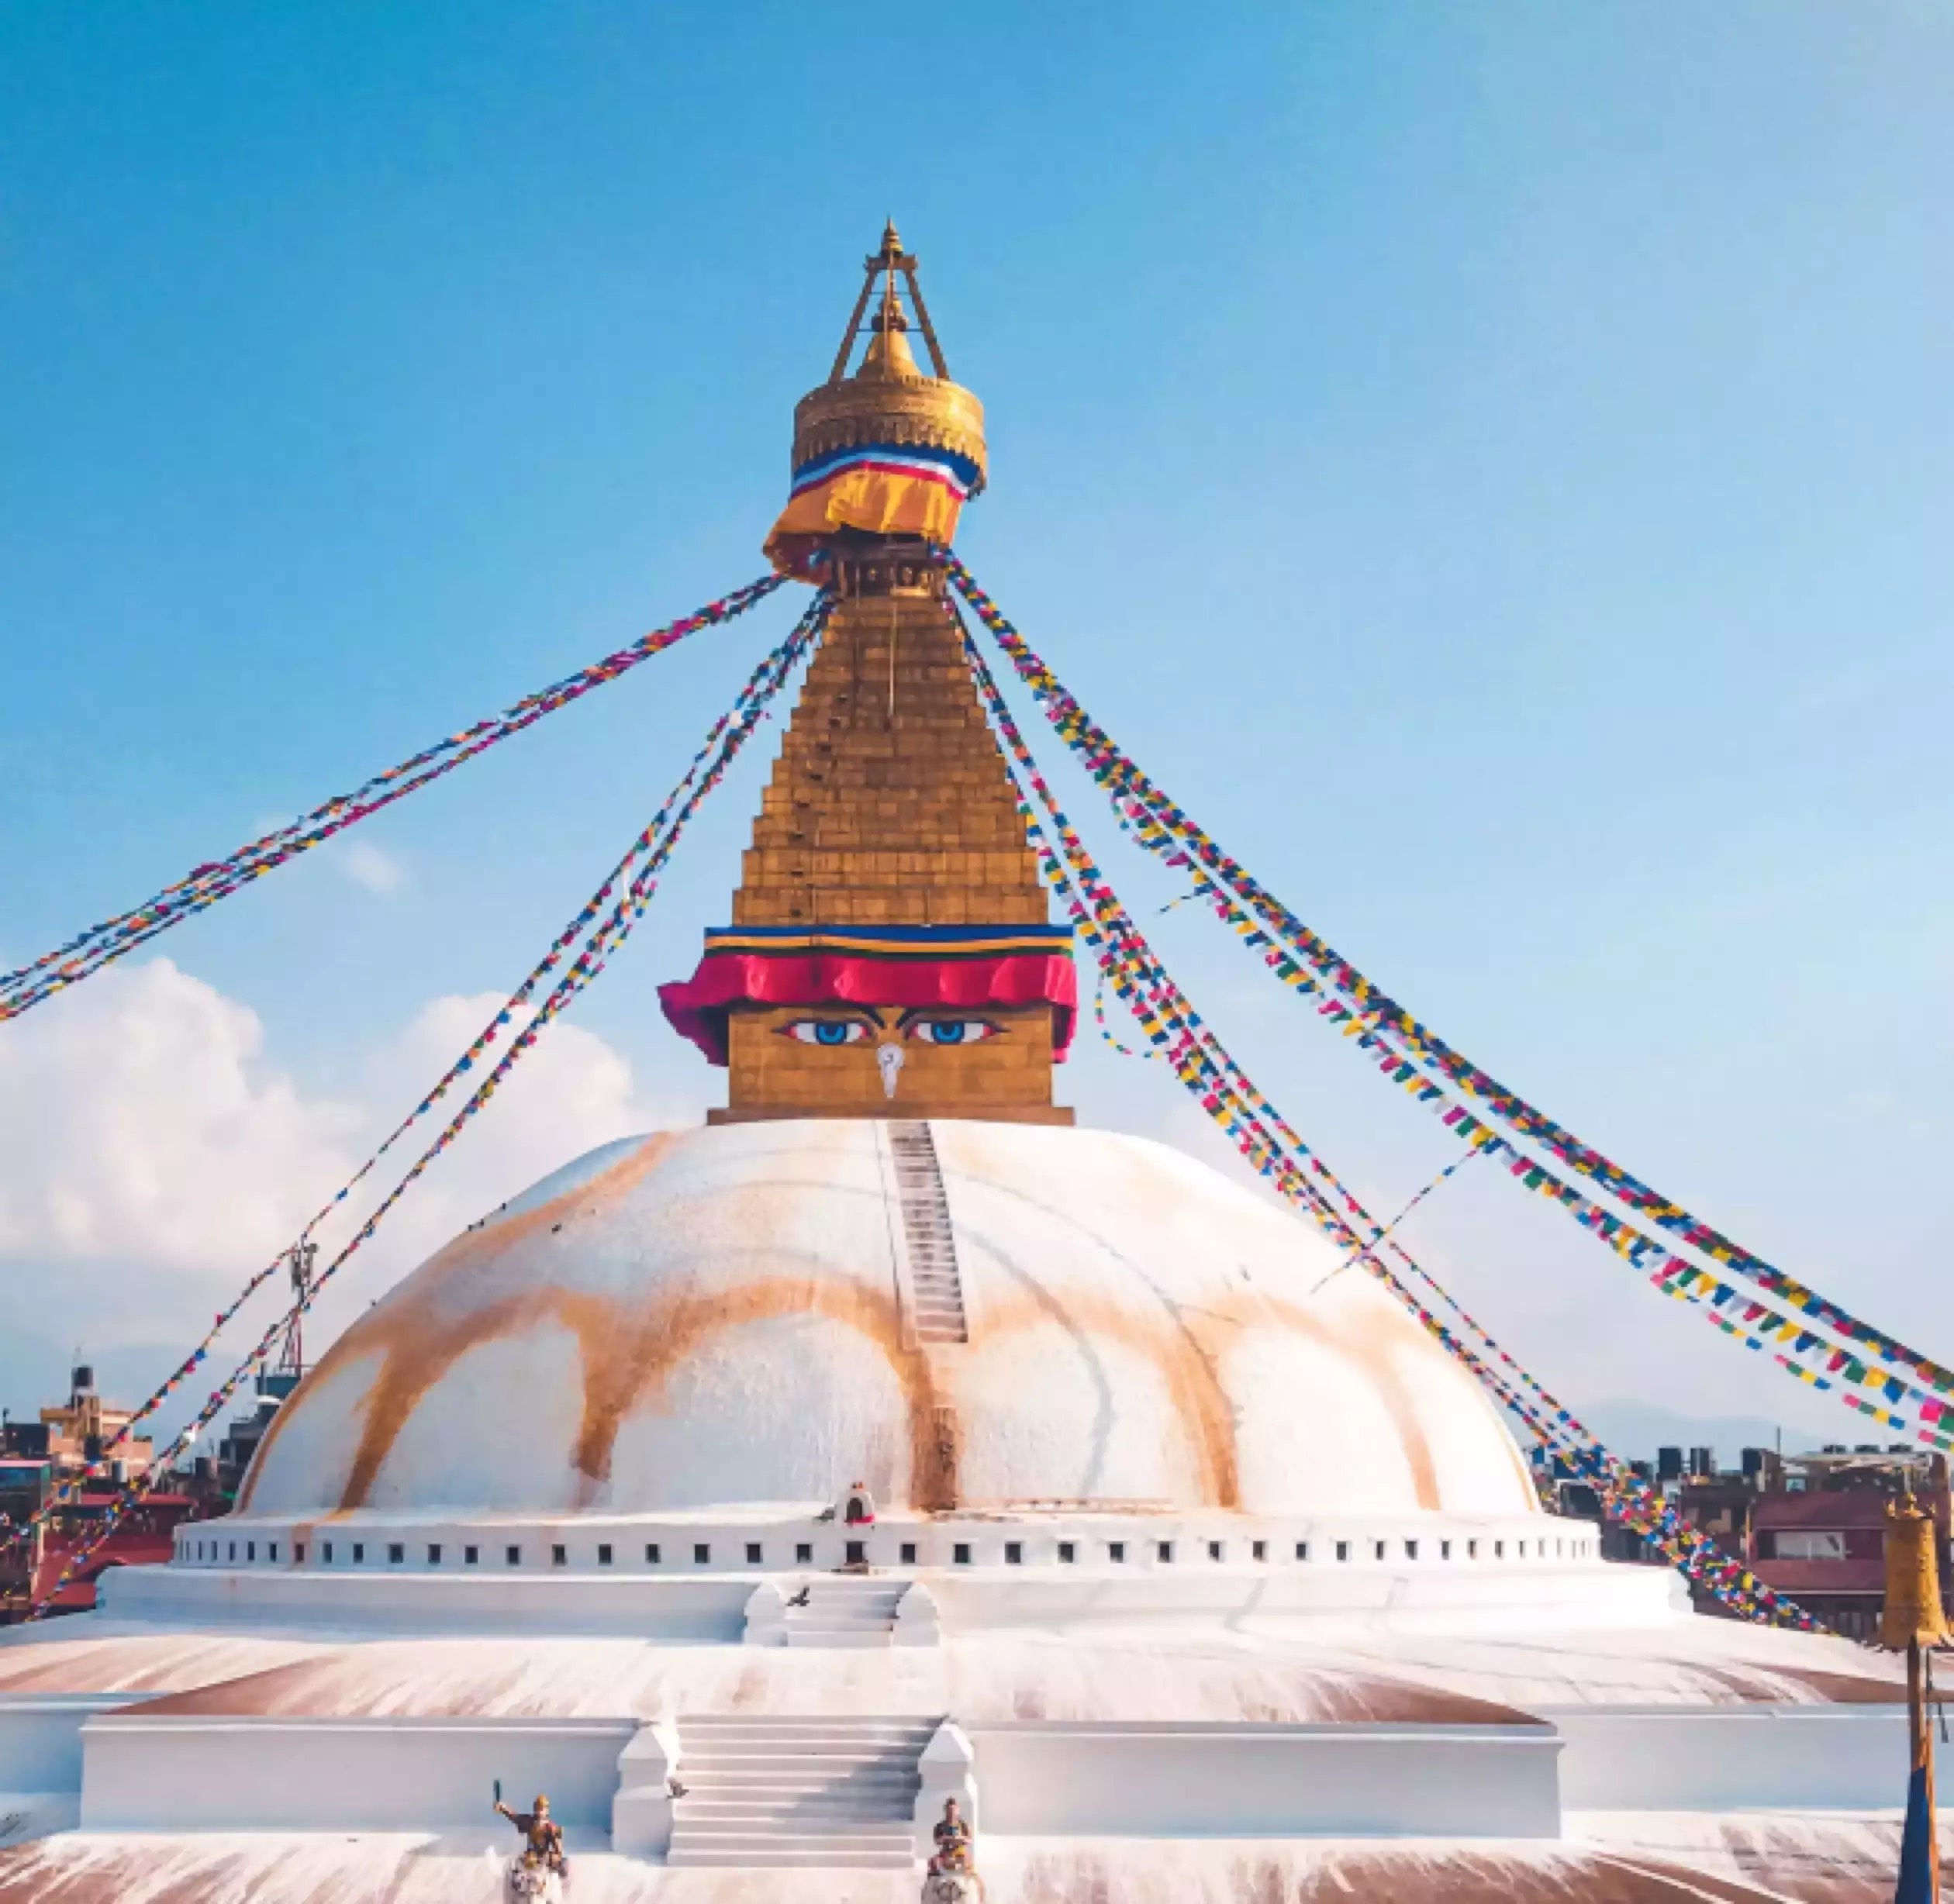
(1492,463)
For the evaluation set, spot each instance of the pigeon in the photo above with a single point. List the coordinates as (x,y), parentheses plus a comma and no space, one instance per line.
(800,1599)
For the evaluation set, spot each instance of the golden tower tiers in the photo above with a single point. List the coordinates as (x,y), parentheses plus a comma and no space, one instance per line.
(892,953)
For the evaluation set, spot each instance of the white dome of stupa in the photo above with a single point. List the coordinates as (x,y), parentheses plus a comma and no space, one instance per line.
(755,1314)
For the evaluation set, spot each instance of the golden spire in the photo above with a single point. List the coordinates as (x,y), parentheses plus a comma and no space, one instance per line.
(892,953)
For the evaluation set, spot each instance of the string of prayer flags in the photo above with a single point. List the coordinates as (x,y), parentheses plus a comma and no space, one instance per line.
(112,939)
(1675,1278)
(1304,962)
(643,863)
(1245,1116)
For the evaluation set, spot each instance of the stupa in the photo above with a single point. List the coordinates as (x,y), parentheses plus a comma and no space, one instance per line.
(755,1489)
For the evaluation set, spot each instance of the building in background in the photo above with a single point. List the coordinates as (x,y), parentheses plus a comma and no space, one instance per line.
(77,1431)
(38,1457)
(1820,1537)
(1810,1525)
(248,1427)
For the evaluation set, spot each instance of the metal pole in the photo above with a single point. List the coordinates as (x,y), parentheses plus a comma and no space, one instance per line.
(1920,1732)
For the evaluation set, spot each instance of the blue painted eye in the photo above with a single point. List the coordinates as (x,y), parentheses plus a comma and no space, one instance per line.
(953,1031)
(827,1031)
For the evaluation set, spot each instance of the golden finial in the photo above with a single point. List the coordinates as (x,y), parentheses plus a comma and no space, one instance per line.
(890,399)
(889,356)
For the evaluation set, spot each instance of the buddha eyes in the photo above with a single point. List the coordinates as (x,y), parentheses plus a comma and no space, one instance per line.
(829,1031)
(839,1031)
(953,1030)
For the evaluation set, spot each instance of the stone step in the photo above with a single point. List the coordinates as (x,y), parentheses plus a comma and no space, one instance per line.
(749,1845)
(734,1750)
(878,1596)
(795,1791)
(811,1619)
(845,1586)
(855,1641)
(891,1834)
(711,1796)
(831,1821)
(813,1724)
(792,1854)
(809,1765)
(929,1239)
(709,1800)
(896,1747)
(782,1786)
(804,1771)
(821,1759)
(823,1819)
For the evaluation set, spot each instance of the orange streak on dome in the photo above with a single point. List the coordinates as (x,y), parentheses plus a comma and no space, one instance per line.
(1205,1408)
(388,1329)
(1378,1361)
(626,1363)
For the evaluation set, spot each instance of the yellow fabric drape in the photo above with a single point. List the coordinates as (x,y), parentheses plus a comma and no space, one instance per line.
(884,502)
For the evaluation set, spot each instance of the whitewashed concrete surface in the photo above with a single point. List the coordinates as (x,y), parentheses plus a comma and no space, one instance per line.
(92,1652)
(1727,1758)
(1687,1660)
(1133,1673)
(26,1815)
(1136,1676)
(41,1738)
(460,1867)
(325,1774)
(1808,1853)
(1063,1543)
(1266,1781)
(380,1600)
(1408,1597)
(1846,1861)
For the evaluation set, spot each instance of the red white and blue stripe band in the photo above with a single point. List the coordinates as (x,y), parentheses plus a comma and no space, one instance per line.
(959,474)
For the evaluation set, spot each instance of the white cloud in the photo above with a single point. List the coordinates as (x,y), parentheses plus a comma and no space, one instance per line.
(571,1093)
(139,1119)
(369,867)
(152,1155)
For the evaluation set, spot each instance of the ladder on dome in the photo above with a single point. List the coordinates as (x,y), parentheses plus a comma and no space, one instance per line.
(928,1239)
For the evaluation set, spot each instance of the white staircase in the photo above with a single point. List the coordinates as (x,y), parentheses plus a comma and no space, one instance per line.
(787,1792)
(845,1609)
(927,1238)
